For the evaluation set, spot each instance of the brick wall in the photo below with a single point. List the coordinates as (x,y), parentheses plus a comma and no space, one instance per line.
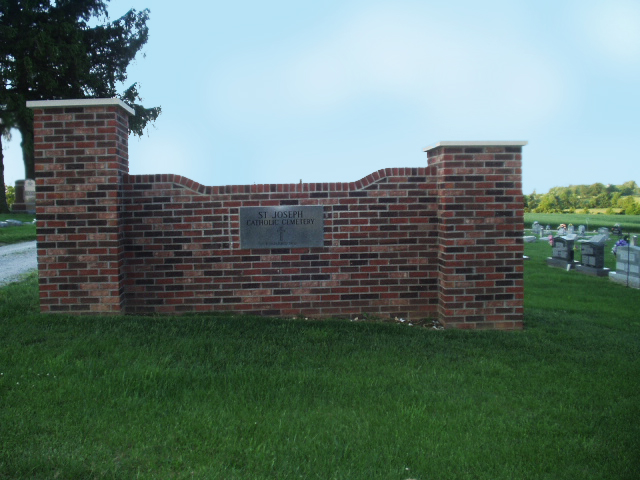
(379,256)
(443,241)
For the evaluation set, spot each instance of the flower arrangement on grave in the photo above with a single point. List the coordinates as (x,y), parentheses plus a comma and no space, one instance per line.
(551,240)
(623,242)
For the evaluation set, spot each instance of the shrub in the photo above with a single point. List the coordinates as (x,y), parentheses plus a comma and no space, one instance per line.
(10,193)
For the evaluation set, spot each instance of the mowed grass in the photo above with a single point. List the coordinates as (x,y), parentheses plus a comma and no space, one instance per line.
(22,233)
(237,397)
(629,223)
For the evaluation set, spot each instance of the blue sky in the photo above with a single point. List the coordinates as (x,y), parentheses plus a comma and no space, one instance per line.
(283,91)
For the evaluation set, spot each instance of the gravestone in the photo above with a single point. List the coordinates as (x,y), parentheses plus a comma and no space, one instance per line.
(25,199)
(561,231)
(627,266)
(617,230)
(18,204)
(536,228)
(582,230)
(30,195)
(604,231)
(562,255)
(592,257)
(571,230)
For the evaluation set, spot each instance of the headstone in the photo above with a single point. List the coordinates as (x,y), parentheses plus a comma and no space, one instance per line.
(562,253)
(571,229)
(562,231)
(627,266)
(604,231)
(18,203)
(617,230)
(582,230)
(536,228)
(592,257)
(530,239)
(30,195)
(3,224)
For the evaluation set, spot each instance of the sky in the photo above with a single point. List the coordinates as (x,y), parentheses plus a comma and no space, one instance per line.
(281,91)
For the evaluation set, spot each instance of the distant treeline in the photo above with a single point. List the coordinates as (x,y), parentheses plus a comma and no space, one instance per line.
(621,199)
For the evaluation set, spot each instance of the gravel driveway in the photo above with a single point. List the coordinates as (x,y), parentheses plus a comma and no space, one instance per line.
(16,260)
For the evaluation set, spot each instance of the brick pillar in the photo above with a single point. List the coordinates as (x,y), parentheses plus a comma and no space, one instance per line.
(81,156)
(480,237)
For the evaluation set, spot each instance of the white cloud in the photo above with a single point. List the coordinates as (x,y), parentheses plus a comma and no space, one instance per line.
(444,68)
(617,29)
(164,154)
(610,30)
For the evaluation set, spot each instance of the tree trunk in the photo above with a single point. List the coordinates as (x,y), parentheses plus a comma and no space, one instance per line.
(4,208)
(26,130)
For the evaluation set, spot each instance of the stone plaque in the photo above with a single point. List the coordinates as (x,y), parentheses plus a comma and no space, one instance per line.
(281,227)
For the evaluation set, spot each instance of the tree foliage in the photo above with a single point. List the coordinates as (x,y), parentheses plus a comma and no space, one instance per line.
(584,197)
(64,49)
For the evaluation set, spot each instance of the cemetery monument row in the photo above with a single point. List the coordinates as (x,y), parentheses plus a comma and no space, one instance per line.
(442,241)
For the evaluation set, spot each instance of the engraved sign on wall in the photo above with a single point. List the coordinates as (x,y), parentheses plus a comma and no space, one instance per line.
(281,227)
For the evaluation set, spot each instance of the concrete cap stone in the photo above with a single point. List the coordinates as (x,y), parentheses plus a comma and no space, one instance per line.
(85,102)
(471,143)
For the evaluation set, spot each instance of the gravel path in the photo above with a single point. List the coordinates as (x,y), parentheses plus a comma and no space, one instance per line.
(16,260)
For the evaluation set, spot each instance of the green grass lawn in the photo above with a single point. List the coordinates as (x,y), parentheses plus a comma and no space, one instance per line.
(629,223)
(23,233)
(236,397)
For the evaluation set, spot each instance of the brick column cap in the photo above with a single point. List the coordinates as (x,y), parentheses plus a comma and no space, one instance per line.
(505,143)
(84,102)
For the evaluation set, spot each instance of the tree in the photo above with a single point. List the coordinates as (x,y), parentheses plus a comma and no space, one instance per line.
(548,204)
(629,206)
(4,207)
(49,51)
(531,202)
(615,199)
(602,200)
(596,189)
(5,133)
(628,188)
